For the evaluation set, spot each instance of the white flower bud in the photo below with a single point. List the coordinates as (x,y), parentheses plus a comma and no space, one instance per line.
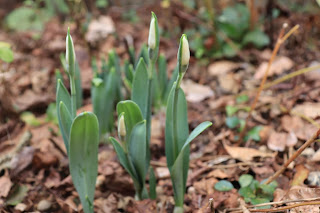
(121,127)
(185,55)
(152,34)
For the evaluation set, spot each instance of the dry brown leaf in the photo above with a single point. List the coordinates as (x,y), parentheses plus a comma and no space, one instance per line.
(5,185)
(277,141)
(300,175)
(311,110)
(300,128)
(221,67)
(313,75)
(316,156)
(99,29)
(196,92)
(279,65)
(218,173)
(246,154)
(229,83)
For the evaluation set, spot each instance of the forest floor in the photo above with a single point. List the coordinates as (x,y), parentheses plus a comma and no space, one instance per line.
(33,162)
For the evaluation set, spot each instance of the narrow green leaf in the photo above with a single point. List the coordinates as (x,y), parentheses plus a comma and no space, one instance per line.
(152,184)
(140,85)
(137,149)
(83,157)
(62,95)
(172,148)
(169,85)
(123,158)
(181,164)
(77,81)
(143,54)
(223,186)
(66,122)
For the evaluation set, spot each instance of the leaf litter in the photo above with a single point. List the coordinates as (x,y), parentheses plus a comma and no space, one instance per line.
(215,156)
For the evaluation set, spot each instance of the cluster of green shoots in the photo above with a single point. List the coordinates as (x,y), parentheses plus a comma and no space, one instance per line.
(149,87)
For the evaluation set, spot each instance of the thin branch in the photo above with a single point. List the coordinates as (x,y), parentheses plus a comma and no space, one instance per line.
(293,157)
(280,40)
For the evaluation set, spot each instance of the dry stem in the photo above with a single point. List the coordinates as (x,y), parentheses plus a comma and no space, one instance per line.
(293,157)
(280,40)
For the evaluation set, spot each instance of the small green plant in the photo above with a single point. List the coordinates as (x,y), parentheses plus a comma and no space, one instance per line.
(6,53)
(177,138)
(32,16)
(255,192)
(233,121)
(230,33)
(132,149)
(80,134)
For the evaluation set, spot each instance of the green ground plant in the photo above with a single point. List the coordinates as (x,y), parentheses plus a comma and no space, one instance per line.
(228,33)
(80,134)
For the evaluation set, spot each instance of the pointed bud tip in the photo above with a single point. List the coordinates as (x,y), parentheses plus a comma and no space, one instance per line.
(122,127)
(152,34)
(185,55)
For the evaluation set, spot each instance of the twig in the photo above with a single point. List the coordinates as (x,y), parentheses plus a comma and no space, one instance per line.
(293,157)
(286,207)
(281,39)
(276,203)
(291,75)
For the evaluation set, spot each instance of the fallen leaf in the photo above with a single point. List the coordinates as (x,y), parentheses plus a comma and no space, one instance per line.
(99,29)
(313,75)
(292,139)
(300,175)
(221,67)
(279,65)
(277,141)
(246,154)
(314,178)
(229,83)
(5,185)
(311,110)
(196,92)
(162,172)
(316,156)
(295,124)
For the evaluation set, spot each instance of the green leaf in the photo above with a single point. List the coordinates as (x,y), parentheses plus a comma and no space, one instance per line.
(132,114)
(247,192)
(62,95)
(223,186)
(142,96)
(258,200)
(242,99)
(30,118)
(162,76)
(143,54)
(181,164)
(17,194)
(83,157)
(25,18)
(6,53)
(232,122)
(51,113)
(172,148)
(169,85)
(152,184)
(253,134)
(103,99)
(123,159)
(231,110)
(140,92)
(78,85)
(138,153)
(245,180)
(66,122)
(257,38)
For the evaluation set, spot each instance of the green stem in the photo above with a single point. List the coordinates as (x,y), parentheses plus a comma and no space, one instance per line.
(175,117)
(73,97)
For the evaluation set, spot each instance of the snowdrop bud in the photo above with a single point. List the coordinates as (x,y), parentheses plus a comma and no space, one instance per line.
(185,55)
(70,54)
(152,34)
(122,128)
